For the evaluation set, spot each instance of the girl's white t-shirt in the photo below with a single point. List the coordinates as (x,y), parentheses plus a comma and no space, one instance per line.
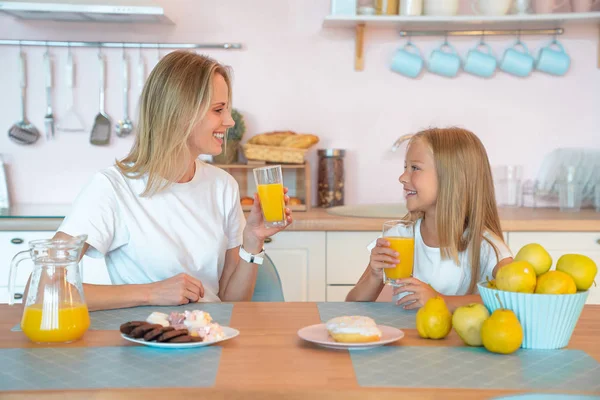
(444,275)
(186,228)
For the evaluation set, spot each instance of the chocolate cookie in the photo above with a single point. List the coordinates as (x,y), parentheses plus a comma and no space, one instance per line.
(141,330)
(127,327)
(154,333)
(167,336)
(185,339)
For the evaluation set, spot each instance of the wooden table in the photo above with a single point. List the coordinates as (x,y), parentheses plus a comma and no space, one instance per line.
(268,360)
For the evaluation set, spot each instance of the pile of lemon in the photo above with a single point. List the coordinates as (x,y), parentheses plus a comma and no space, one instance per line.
(502,332)
(530,273)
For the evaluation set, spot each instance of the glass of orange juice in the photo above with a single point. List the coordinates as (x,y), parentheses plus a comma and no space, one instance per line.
(401,236)
(269,184)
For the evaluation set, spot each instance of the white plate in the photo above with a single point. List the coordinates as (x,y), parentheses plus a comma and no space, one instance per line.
(230,333)
(318,334)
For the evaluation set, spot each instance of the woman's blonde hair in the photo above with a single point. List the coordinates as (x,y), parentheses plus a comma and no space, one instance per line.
(176,95)
(466,202)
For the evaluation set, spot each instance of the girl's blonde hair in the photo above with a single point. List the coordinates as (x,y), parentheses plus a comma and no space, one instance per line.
(176,95)
(466,202)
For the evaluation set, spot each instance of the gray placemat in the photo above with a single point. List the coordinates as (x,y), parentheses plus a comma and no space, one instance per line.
(112,319)
(476,368)
(548,396)
(383,313)
(107,367)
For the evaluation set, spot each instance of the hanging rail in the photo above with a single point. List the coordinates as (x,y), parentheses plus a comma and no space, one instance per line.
(120,45)
(513,32)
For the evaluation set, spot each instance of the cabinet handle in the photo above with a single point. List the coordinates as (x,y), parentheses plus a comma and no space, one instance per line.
(16,241)
(269,240)
(18,296)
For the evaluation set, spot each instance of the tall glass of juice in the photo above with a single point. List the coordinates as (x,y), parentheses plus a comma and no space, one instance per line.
(401,236)
(269,184)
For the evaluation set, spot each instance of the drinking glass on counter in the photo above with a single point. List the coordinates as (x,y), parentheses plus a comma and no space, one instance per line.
(401,236)
(569,190)
(269,184)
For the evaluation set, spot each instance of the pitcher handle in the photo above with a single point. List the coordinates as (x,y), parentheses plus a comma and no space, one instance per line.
(12,275)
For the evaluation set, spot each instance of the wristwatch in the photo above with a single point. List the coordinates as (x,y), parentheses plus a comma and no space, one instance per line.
(252,258)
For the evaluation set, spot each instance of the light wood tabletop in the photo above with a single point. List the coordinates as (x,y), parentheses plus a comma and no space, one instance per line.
(269,361)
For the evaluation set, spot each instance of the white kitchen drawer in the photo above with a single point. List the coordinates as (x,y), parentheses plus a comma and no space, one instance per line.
(4,294)
(572,241)
(338,293)
(11,242)
(347,256)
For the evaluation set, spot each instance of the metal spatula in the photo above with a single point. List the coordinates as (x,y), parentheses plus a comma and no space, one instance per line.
(23,132)
(101,130)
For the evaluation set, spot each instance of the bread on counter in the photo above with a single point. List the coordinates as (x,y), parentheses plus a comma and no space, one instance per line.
(285,139)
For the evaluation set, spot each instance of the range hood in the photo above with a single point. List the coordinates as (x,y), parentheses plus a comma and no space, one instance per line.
(86,10)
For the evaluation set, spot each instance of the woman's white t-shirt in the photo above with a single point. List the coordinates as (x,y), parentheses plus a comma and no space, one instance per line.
(444,275)
(186,228)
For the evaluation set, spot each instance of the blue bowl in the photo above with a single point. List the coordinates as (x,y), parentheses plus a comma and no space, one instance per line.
(548,320)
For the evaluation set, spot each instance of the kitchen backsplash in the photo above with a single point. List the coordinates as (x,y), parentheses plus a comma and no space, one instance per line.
(294,74)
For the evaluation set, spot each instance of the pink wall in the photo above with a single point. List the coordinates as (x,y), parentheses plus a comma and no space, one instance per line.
(294,74)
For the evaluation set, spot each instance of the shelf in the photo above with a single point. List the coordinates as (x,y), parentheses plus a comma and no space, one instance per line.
(463,22)
(458,25)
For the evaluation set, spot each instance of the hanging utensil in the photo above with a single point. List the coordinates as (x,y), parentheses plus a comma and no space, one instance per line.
(23,132)
(49,117)
(72,121)
(124,127)
(101,129)
(141,69)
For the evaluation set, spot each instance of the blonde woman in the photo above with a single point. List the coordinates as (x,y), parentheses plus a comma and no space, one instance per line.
(458,241)
(171,227)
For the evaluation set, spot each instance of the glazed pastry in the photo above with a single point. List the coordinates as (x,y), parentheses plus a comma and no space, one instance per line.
(353,329)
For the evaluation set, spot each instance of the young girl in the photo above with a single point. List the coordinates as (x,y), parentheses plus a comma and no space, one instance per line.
(458,241)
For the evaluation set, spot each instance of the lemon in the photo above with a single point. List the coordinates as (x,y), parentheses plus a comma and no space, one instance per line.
(518,276)
(555,282)
(582,269)
(535,255)
(502,332)
(434,320)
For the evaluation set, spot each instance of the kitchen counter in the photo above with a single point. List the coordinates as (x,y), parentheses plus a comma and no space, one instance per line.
(269,361)
(48,217)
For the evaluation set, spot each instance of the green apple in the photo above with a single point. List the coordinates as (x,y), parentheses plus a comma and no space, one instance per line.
(467,321)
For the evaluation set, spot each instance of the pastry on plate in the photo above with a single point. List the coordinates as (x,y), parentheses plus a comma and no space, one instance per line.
(353,329)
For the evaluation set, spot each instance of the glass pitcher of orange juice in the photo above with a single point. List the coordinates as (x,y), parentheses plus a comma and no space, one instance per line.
(55,309)
(401,236)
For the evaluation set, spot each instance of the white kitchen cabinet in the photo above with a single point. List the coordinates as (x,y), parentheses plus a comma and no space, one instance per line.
(338,292)
(559,243)
(300,261)
(12,242)
(347,256)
